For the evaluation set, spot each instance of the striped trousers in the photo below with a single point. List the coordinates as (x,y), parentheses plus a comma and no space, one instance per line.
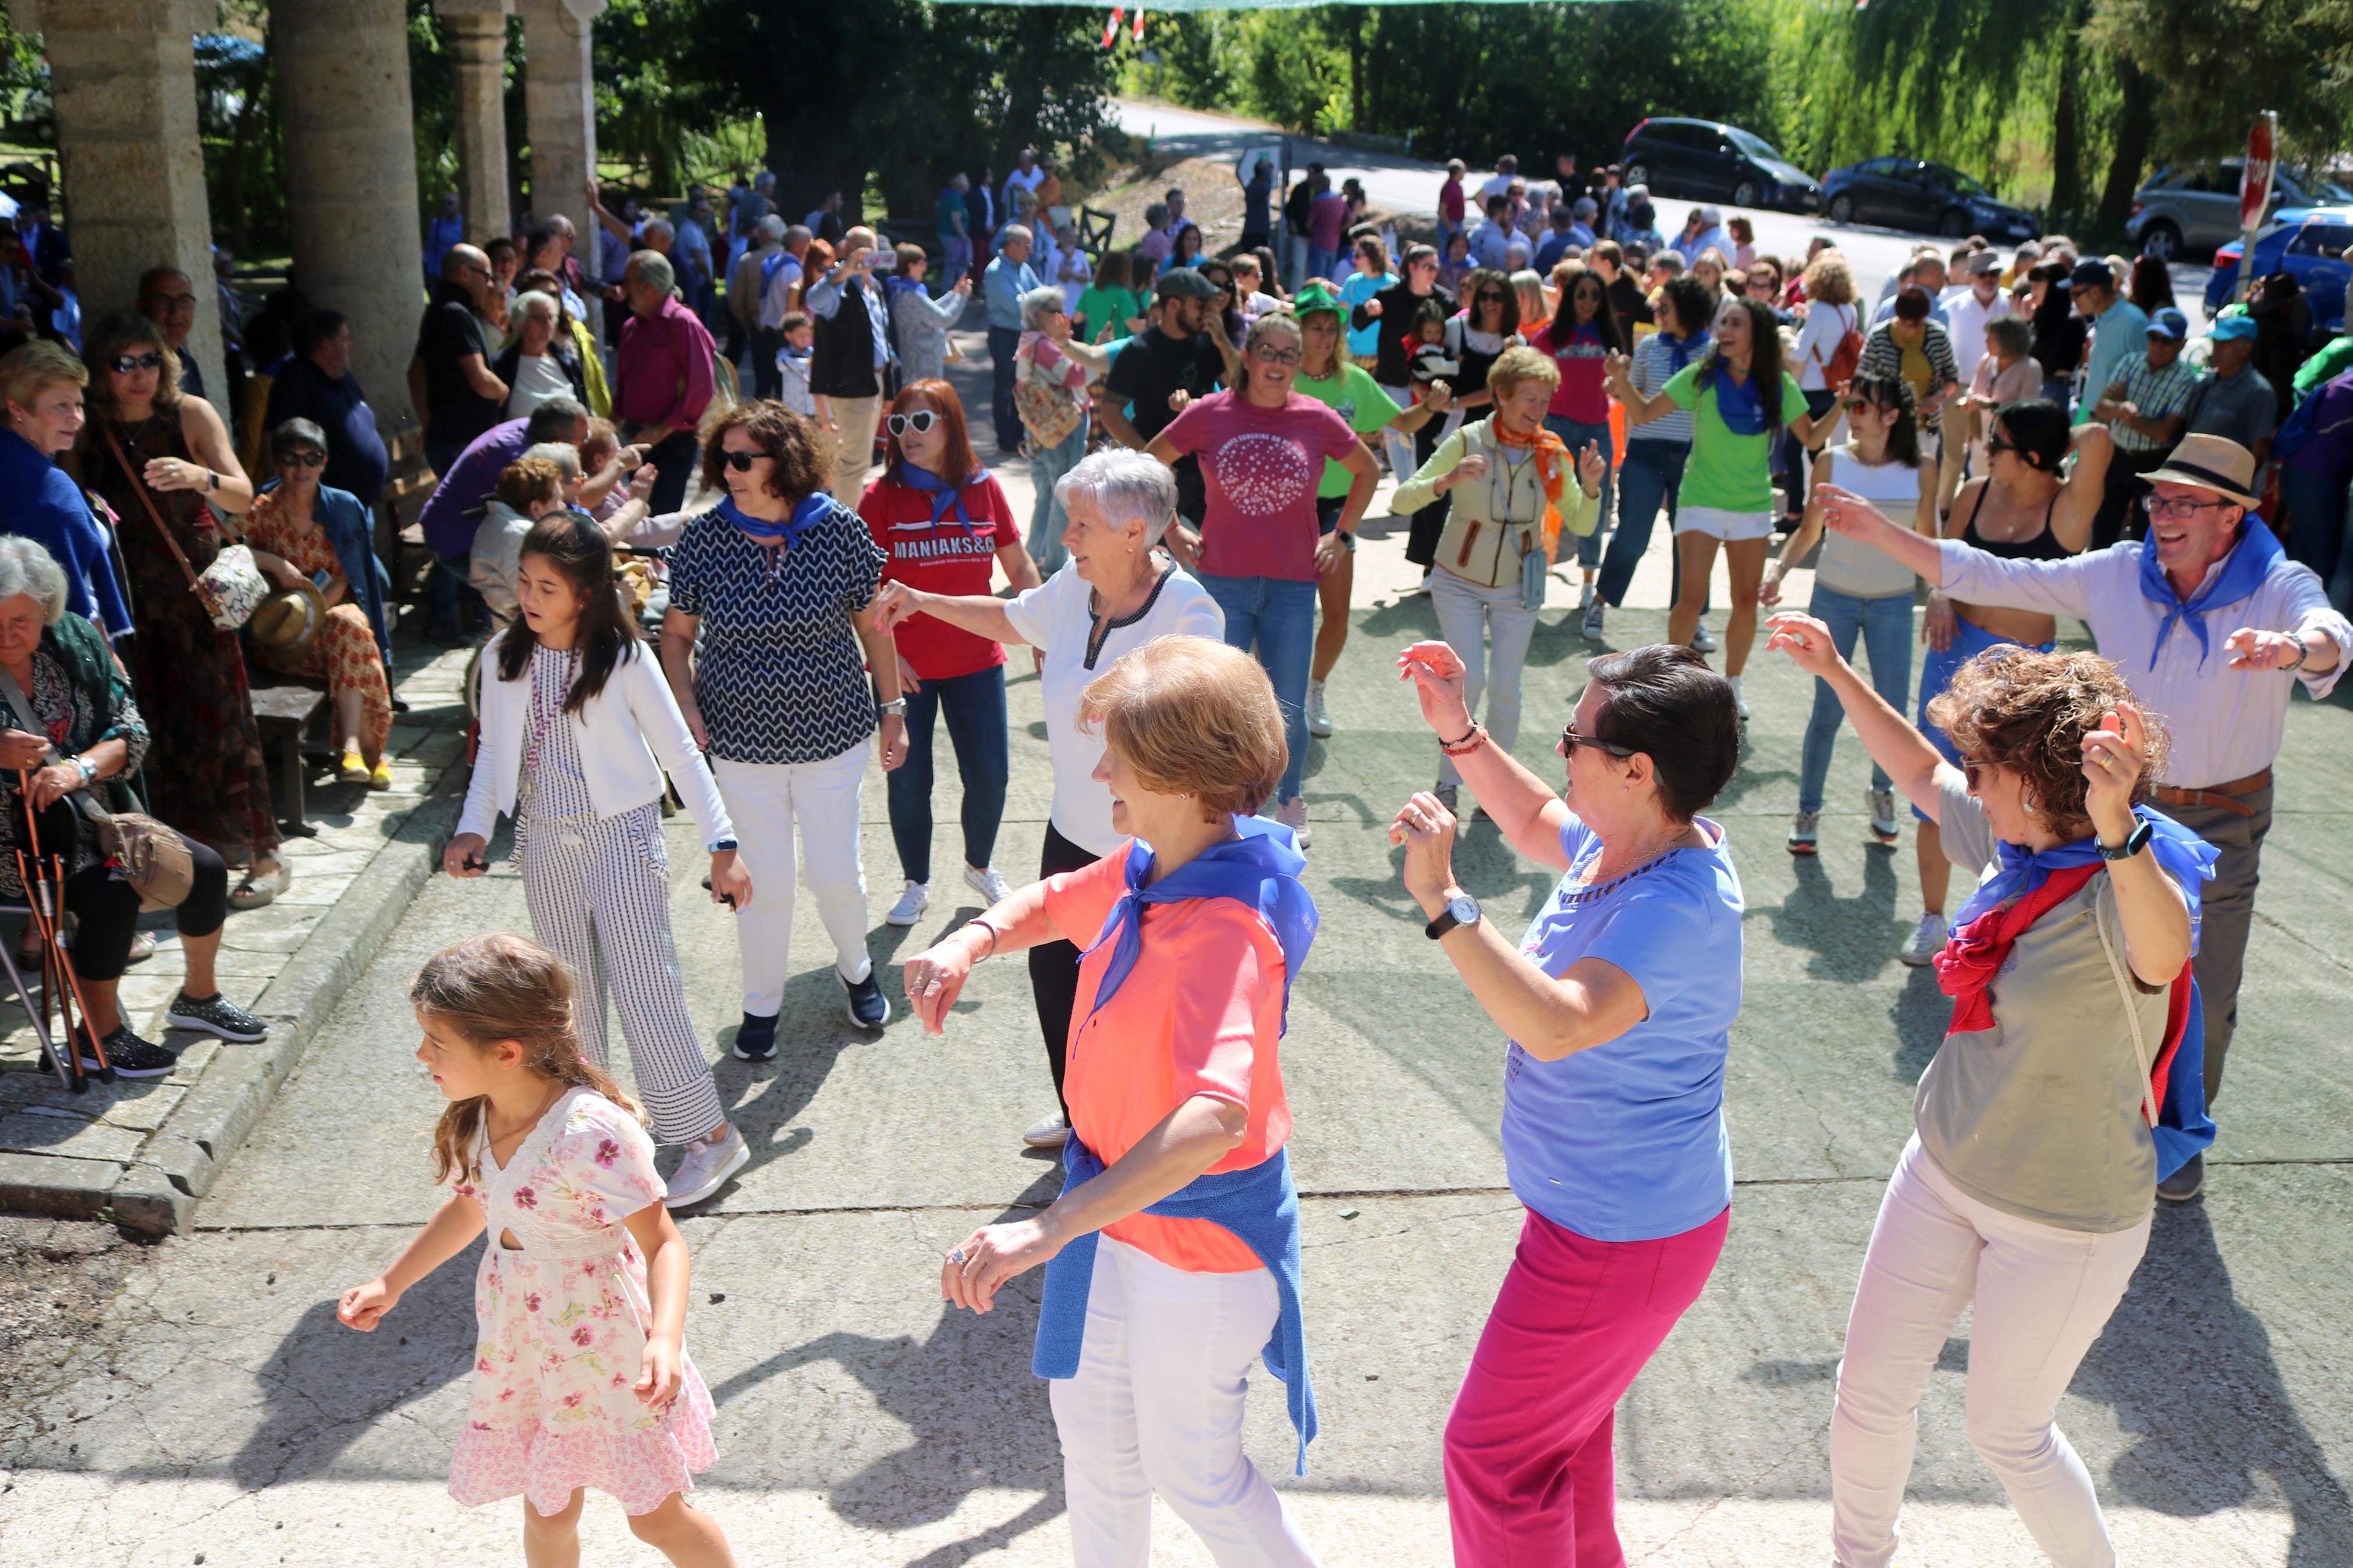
(599,890)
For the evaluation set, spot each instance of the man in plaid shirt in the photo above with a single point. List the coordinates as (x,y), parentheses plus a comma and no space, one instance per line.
(2144,409)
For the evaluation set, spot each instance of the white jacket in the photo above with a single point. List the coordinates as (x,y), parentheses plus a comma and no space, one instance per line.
(620,731)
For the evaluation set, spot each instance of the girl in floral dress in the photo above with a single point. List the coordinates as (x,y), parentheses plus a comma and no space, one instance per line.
(581,1376)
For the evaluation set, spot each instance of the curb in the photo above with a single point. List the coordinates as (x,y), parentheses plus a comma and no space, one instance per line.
(156,1193)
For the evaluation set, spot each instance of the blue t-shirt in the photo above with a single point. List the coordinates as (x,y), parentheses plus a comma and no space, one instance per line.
(1625,1142)
(1358,287)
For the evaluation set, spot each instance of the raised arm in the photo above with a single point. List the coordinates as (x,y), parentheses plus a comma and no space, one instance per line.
(2080,497)
(1846,512)
(2149,905)
(1910,761)
(1519,804)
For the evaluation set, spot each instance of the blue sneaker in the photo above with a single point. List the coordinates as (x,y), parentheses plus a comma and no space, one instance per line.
(869,1009)
(757,1040)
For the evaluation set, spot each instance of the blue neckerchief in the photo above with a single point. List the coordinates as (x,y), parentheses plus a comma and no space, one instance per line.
(806,516)
(1681,352)
(944,494)
(1260,869)
(2243,570)
(2186,857)
(1737,402)
(1258,1206)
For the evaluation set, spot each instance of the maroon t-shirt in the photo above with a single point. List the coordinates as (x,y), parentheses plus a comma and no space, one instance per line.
(1260,468)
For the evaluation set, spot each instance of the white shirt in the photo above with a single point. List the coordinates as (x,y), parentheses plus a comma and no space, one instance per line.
(537,378)
(1964,324)
(776,299)
(1825,328)
(2226,723)
(1057,617)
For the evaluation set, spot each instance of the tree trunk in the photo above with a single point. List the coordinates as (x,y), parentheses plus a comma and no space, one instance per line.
(1378,105)
(1356,119)
(2067,130)
(2135,126)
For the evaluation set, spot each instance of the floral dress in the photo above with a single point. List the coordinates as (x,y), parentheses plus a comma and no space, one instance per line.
(563,1324)
(344,654)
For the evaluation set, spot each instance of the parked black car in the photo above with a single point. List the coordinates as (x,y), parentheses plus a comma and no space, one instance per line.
(1906,193)
(1707,158)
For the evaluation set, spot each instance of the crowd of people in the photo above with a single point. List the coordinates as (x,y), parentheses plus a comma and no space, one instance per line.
(2024,437)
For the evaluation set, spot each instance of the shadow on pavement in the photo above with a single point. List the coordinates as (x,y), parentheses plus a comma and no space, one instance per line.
(1851,939)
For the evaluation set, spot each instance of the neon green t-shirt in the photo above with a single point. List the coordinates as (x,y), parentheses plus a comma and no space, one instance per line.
(1355,398)
(1728,472)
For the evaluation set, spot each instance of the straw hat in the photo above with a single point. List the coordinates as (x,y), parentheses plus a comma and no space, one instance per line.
(2211,463)
(288,621)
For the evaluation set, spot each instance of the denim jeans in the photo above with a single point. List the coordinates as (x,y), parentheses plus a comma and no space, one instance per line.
(1322,263)
(1489,630)
(1002,342)
(1654,469)
(1886,625)
(1047,518)
(767,381)
(974,704)
(2316,518)
(1275,619)
(1575,434)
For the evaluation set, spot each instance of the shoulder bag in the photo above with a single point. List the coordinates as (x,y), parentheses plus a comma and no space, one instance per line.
(232,587)
(154,858)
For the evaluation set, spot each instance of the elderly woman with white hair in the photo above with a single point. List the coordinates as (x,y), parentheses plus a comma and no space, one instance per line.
(1116,594)
(1050,370)
(542,362)
(72,729)
(918,321)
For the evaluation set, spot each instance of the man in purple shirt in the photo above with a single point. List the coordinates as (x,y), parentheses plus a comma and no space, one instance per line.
(455,508)
(663,376)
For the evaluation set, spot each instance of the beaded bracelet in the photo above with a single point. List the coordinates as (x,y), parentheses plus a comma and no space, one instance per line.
(1467,744)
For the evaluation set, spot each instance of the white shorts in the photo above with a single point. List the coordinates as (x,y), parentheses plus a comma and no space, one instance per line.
(1728,526)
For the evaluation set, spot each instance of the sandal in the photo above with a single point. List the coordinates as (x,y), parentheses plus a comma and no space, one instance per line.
(353,769)
(256,890)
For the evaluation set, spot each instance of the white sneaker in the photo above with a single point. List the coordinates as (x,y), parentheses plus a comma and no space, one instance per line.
(1805,831)
(1319,716)
(1927,939)
(1738,702)
(1585,596)
(1048,1133)
(706,1168)
(1592,626)
(1293,815)
(1703,641)
(989,883)
(1883,814)
(913,902)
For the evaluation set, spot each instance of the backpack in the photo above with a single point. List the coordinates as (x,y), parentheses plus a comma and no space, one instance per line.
(1837,372)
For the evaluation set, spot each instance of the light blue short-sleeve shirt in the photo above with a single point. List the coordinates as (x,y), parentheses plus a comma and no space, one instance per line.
(1625,1142)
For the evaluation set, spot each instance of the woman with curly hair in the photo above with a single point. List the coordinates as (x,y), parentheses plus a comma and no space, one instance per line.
(2027,1188)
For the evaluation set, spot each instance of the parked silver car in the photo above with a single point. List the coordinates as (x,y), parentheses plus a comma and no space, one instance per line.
(2181,211)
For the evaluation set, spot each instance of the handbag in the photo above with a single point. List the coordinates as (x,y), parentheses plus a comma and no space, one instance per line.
(154,859)
(232,587)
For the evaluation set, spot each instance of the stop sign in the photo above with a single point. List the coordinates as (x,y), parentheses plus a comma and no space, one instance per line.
(2255,178)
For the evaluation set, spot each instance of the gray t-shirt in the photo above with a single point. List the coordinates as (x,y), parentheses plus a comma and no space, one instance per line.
(2041,1115)
(2242,408)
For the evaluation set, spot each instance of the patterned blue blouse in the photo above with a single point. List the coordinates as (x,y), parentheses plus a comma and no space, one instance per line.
(779,674)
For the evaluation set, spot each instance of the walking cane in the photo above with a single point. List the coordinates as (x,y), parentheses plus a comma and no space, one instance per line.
(67,1063)
(57,968)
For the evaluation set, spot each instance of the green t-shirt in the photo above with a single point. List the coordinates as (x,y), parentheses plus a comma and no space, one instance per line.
(1728,472)
(951,210)
(2334,358)
(1102,308)
(1355,398)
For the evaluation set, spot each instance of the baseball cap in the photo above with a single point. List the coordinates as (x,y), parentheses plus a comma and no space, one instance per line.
(2092,275)
(2229,329)
(1183,283)
(2168,322)
(1982,262)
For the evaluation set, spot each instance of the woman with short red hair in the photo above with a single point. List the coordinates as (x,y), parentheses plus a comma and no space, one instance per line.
(942,520)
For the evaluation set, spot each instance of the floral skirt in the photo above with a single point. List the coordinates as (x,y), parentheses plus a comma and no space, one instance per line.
(640,1469)
(345,655)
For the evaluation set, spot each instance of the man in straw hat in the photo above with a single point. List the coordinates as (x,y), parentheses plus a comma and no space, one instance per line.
(2212,624)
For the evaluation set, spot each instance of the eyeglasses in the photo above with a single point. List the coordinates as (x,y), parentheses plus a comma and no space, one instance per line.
(1760,286)
(175,304)
(123,365)
(921,422)
(1975,772)
(1570,739)
(742,461)
(1275,356)
(2175,506)
(302,460)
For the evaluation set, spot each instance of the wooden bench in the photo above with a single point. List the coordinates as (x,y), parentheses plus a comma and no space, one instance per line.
(409,482)
(284,715)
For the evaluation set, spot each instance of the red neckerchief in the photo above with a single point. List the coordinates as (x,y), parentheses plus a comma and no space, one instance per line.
(1976,953)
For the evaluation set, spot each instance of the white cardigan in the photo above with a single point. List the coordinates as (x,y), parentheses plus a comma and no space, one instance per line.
(620,730)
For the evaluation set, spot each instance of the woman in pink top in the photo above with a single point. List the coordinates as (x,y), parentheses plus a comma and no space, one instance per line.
(1581,335)
(1177,1183)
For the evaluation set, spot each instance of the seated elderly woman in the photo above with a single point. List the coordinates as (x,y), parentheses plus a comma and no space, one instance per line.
(1172,1256)
(71,725)
(302,531)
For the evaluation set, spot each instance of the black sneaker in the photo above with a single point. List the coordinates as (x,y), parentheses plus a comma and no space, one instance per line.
(130,1055)
(217,1016)
(869,1009)
(757,1040)
(2186,1183)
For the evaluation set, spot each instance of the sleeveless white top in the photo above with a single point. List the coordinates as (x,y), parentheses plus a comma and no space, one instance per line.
(1849,566)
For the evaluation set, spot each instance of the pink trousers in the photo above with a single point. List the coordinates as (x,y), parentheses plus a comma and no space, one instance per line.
(1531,1481)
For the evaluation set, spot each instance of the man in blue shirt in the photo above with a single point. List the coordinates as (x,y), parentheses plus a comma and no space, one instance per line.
(447,229)
(1008,276)
(2119,332)
(316,384)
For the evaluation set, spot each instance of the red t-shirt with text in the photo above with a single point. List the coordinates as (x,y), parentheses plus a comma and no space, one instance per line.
(946,557)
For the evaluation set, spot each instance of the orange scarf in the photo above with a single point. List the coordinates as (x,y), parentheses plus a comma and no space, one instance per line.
(1553,466)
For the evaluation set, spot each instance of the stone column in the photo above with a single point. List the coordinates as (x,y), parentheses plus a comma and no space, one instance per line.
(350,181)
(476,33)
(122,74)
(560,111)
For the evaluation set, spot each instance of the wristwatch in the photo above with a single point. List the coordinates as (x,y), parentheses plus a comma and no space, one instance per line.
(1462,910)
(719,844)
(2134,843)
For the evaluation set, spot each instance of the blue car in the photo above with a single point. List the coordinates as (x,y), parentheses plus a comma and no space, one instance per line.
(2306,241)
(1923,197)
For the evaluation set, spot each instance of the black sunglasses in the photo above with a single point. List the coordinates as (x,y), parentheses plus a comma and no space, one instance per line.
(1570,739)
(742,461)
(1489,297)
(303,459)
(123,365)
(921,422)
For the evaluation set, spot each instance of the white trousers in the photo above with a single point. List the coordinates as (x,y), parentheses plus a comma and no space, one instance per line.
(1158,1407)
(766,800)
(1489,629)
(2042,1295)
(853,451)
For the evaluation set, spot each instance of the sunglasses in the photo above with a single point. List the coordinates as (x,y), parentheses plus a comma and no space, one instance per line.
(921,422)
(742,461)
(1570,739)
(1864,405)
(302,460)
(1975,772)
(123,365)
(1995,446)
(1487,297)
